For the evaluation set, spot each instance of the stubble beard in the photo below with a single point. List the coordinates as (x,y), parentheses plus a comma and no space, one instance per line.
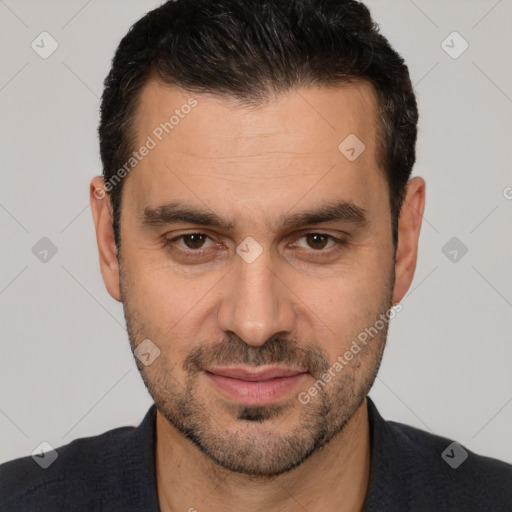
(251,444)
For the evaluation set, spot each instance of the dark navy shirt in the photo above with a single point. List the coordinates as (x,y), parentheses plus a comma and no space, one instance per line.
(411,470)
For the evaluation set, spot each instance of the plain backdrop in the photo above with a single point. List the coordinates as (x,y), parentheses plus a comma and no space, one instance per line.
(66,370)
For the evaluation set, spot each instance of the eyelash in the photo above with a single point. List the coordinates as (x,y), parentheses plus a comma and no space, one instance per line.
(199,253)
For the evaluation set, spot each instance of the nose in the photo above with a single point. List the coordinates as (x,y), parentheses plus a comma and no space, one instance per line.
(256,302)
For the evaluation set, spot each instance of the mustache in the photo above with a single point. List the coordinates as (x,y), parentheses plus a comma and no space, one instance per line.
(275,350)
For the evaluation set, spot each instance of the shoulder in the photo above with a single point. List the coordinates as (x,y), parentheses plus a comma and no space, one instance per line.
(79,466)
(454,477)
(109,472)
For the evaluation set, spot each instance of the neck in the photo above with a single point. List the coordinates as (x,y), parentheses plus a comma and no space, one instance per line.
(334,478)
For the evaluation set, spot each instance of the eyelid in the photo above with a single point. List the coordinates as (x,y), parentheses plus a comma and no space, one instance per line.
(330,238)
(201,233)
(340,235)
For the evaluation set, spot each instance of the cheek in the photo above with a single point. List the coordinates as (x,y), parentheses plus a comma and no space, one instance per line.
(153,288)
(169,307)
(345,305)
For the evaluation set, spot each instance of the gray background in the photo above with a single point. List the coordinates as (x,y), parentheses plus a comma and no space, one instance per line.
(66,368)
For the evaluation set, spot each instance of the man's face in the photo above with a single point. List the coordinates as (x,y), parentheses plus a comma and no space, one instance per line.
(222,307)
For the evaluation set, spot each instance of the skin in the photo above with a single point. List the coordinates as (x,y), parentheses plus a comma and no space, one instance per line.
(250,166)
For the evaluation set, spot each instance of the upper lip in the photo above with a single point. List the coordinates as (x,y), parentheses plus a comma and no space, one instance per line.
(251,375)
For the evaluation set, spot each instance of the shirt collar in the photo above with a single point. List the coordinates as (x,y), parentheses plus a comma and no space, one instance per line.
(138,470)
(395,465)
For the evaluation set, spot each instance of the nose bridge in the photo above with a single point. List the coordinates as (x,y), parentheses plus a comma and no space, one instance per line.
(256,305)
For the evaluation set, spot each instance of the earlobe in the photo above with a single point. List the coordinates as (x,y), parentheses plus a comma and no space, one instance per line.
(102,216)
(409,227)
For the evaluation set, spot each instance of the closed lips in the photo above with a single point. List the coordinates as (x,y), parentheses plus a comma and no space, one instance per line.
(255,376)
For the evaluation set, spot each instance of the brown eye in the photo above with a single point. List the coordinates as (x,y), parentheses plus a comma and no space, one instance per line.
(317,241)
(194,247)
(194,240)
(319,245)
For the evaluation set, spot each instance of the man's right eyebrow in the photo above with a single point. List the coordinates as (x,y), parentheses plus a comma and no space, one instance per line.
(175,211)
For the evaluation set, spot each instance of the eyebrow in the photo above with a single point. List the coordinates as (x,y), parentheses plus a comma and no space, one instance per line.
(176,211)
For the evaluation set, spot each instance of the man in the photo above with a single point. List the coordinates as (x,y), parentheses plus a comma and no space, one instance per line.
(257,219)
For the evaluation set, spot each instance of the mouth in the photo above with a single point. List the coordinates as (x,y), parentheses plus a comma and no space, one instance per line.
(250,386)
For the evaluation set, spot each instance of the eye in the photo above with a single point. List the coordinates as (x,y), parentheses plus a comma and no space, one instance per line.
(193,241)
(190,244)
(319,241)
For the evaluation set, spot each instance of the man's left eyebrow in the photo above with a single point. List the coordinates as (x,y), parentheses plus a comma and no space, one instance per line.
(342,211)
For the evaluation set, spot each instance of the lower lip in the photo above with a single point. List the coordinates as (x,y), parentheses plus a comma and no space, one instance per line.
(262,392)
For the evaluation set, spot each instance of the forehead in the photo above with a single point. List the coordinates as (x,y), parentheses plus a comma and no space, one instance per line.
(214,149)
(314,114)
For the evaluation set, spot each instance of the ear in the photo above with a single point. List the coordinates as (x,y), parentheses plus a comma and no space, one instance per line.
(409,226)
(102,216)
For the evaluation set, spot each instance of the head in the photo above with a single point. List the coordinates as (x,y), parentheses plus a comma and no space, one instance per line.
(256,210)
